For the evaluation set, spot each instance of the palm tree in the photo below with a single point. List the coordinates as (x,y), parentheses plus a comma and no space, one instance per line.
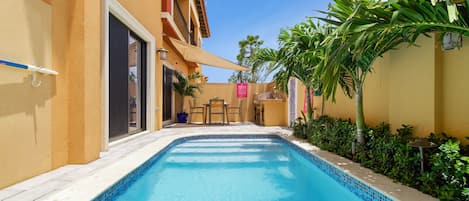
(349,57)
(453,7)
(299,53)
(366,29)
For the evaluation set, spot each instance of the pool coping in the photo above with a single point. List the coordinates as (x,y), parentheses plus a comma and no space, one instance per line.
(93,185)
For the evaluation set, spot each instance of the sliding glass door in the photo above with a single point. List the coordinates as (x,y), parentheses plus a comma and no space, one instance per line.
(127,81)
(167,94)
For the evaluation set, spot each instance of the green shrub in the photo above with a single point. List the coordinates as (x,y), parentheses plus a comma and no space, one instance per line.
(450,171)
(447,169)
(299,128)
(332,135)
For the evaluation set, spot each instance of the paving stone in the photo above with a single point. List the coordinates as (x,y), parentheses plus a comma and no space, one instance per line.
(38,191)
(4,194)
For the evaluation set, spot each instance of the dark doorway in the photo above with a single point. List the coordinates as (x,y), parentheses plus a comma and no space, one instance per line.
(127,81)
(167,93)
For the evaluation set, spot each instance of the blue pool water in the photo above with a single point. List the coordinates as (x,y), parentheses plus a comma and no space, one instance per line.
(231,169)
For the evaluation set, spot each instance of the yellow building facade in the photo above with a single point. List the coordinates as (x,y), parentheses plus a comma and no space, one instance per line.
(68,118)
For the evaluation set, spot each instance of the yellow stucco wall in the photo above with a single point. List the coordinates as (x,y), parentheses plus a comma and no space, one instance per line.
(25,112)
(227,91)
(412,87)
(60,47)
(62,121)
(455,92)
(175,61)
(421,86)
(376,95)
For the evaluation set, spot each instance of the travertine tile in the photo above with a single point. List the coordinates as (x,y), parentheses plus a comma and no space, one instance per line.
(38,191)
(4,194)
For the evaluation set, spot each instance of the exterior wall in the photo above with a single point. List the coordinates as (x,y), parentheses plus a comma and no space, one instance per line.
(421,86)
(25,112)
(412,87)
(84,77)
(455,103)
(175,61)
(227,91)
(62,121)
(376,98)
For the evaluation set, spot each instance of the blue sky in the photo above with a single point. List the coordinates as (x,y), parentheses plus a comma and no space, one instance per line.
(232,21)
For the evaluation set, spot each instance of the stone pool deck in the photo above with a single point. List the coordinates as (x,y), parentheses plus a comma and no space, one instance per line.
(67,182)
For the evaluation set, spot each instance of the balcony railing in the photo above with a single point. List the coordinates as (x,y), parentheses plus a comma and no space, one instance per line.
(192,35)
(180,21)
(193,41)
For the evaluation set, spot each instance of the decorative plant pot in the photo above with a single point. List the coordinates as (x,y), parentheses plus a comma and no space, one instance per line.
(182,117)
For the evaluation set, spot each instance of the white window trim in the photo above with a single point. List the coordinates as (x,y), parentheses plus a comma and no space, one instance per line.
(113,7)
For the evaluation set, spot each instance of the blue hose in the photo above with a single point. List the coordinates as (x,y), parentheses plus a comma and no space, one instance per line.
(13,64)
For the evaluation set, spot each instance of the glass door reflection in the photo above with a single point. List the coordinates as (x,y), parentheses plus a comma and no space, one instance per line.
(135,84)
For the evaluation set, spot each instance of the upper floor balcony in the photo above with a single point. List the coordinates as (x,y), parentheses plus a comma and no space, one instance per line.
(185,20)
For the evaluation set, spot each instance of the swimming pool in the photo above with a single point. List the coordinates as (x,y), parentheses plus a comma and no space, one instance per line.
(238,168)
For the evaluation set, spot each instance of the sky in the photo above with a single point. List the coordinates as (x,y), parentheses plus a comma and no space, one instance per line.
(232,21)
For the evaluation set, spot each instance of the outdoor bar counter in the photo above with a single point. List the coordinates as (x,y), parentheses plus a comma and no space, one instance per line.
(274,111)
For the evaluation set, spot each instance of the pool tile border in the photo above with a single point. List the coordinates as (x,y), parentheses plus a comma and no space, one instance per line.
(117,188)
(352,183)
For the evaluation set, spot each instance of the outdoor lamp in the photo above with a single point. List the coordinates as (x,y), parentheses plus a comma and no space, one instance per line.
(163,53)
(451,41)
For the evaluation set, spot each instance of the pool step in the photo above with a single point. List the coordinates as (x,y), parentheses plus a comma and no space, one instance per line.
(211,165)
(246,145)
(232,140)
(205,158)
(199,150)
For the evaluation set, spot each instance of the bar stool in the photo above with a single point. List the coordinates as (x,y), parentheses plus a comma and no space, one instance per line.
(259,113)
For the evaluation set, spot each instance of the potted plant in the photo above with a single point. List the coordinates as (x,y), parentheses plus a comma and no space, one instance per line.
(184,87)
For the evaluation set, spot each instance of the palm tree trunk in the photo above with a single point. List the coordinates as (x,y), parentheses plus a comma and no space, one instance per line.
(360,116)
(308,103)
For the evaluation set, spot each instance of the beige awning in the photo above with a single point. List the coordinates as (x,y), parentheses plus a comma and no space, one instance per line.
(198,55)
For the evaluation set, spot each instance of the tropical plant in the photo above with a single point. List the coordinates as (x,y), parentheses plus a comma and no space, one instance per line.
(451,171)
(453,7)
(248,49)
(299,128)
(300,52)
(446,172)
(349,57)
(366,29)
(184,87)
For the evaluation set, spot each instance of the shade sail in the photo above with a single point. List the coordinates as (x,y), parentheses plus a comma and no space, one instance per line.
(198,55)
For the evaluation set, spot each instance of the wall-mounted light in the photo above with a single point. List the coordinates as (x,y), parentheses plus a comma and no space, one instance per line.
(163,53)
(451,41)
